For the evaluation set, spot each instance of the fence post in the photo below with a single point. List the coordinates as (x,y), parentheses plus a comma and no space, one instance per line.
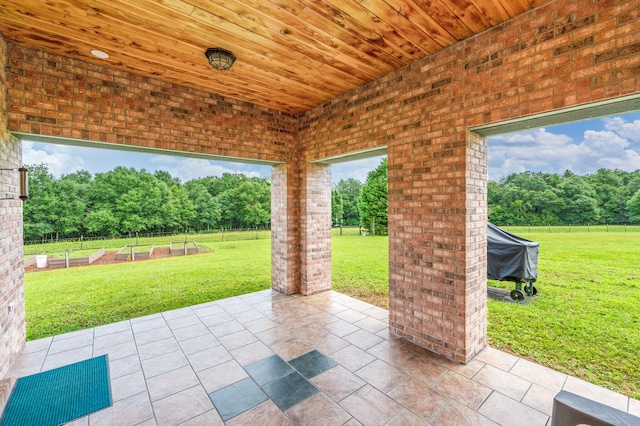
(66,258)
(185,248)
(133,253)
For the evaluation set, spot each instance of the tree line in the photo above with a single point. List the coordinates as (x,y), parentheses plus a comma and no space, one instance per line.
(125,201)
(535,198)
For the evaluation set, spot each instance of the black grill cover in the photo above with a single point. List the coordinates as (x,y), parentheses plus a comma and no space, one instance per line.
(509,257)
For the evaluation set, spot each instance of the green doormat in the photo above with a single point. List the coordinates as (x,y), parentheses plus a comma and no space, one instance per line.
(60,395)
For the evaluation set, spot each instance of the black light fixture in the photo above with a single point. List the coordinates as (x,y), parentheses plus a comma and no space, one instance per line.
(24,184)
(220,58)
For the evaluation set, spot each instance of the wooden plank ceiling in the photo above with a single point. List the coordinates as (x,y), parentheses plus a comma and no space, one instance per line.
(291,54)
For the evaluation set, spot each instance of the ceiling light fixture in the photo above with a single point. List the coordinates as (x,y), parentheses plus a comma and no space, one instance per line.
(99,54)
(219,58)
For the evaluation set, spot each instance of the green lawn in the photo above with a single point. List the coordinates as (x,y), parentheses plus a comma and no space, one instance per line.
(585,321)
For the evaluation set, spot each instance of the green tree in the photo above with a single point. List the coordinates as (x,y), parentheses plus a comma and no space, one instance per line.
(350,191)
(207,209)
(337,207)
(634,207)
(372,203)
(40,205)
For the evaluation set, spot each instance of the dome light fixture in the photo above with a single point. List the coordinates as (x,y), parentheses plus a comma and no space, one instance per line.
(219,58)
(99,54)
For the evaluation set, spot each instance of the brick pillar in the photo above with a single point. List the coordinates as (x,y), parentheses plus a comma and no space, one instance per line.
(285,233)
(301,228)
(12,319)
(315,228)
(437,243)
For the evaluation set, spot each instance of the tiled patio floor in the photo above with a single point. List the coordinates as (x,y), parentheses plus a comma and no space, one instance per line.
(246,354)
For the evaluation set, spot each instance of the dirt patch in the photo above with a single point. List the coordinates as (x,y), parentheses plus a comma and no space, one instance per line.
(109,257)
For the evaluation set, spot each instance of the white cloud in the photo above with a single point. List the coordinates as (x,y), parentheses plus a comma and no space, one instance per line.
(357,169)
(545,151)
(60,159)
(628,130)
(187,169)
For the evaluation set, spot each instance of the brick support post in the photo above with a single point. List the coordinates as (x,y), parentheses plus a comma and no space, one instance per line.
(315,228)
(301,228)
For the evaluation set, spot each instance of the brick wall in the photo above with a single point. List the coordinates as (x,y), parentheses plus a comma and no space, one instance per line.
(57,96)
(566,53)
(12,320)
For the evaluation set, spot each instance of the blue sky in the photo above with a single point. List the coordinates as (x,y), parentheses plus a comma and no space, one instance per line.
(582,147)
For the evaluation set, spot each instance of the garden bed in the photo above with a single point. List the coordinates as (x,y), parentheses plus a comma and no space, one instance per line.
(76,257)
(183,248)
(135,252)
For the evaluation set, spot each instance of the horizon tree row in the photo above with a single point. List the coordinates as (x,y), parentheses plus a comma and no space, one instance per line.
(125,201)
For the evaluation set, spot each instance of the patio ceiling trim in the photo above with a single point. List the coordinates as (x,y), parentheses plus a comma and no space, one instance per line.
(605,108)
(130,148)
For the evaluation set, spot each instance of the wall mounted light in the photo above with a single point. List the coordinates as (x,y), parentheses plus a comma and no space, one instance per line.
(24,184)
(219,58)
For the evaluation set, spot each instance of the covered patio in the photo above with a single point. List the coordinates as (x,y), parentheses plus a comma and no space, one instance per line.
(314,83)
(198,365)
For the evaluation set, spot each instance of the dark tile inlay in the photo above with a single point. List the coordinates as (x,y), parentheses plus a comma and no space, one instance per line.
(268,369)
(290,390)
(237,398)
(312,363)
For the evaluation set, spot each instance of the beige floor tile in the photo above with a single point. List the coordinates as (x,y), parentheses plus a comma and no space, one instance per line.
(341,328)
(151,322)
(161,364)
(505,411)
(190,331)
(209,358)
(260,324)
(352,358)
(187,320)
(65,358)
(125,386)
(381,375)
(392,352)
(113,339)
(499,359)
(540,398)
(150,336)
(266,414)
(237,339)
(182,406)
(407,418)
(37,345)
(123,366)
(71,343)
(157,348)
(540,375)
(131,411)
(210,418)
(198,344)
(602,395)
(225,374)
(370,406)
(116,327)
(462,389)
(213,322)
(503,382)
(363,339)
(418,397)
(423,367)
(171,382)
(225,328)
(454,413)
(317,411)
(634,407)
(370,324)
(338,383)
(121,350)
(252,352)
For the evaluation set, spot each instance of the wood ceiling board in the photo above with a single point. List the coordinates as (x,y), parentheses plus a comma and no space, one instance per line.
(292,54)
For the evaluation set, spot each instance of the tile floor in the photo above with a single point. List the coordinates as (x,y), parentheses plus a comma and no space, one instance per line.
(328,359)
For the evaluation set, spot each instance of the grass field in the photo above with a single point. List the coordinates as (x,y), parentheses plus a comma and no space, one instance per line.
(585,321)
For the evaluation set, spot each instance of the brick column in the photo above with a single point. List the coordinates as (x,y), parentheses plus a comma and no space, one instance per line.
(301,228)
(437,240)
(285,233)
(315,228)
(12,315)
